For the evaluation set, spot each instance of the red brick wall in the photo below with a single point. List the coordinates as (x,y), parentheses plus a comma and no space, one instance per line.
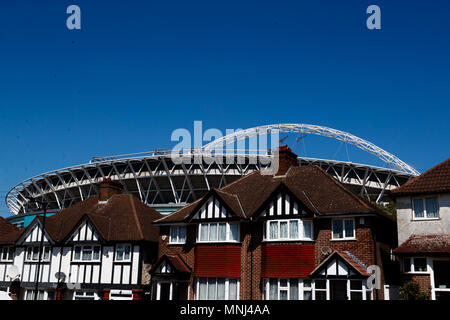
(251,252)
(423,280)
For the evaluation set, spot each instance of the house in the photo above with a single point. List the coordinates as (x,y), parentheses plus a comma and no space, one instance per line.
(298,235)
(423,219)
(99,248)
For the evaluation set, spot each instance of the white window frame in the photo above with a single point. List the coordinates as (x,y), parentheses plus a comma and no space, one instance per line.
(82,247)
(43,258)
(158,289)
(9,251)
(27,291)
(344,236)
(177,240)
(425,212)
(121,247)
(300,230)
(121,295)
(300,290)
(227,285)
(434,289)
(412,265)
(81,295)
(228,232)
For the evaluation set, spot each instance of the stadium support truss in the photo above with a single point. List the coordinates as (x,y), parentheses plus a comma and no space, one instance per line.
(158,181)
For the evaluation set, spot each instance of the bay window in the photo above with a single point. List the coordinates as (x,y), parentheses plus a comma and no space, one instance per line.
(86,253)
(285,230)
(343,229)
(218,232)
(177,234)
(426,208)
(217,289)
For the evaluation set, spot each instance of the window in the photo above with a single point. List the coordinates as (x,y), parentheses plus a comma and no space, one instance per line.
(307,289)
(292,229)
(85,295)
(414,264)
(32,254)
(406,264)
(356,290)
(343,229)
(217,289)
(86,253)
(218,232)
(177,235)
(426,208)
(282,289)
(420,264)
(123,252)
(320,289)
(7,254)
(30,295)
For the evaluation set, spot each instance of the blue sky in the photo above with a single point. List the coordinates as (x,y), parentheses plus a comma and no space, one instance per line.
(137,70)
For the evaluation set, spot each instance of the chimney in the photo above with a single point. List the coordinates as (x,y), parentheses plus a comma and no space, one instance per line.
(107,188)
(286,159)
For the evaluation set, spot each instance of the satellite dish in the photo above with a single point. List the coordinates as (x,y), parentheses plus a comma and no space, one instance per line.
(325,250)
(13,272)
(4,296)
(60,276)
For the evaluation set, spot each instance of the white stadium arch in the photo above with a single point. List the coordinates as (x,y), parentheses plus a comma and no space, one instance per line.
(158,181)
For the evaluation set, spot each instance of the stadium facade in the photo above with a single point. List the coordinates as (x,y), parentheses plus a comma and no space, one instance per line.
(167,185)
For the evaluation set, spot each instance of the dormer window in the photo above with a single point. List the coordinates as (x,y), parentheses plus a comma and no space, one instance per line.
(425,208)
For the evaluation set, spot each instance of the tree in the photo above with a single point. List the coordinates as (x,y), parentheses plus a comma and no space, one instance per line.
(411,290)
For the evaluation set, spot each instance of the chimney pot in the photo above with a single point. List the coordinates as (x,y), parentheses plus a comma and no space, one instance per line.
(286,159)
(108,188)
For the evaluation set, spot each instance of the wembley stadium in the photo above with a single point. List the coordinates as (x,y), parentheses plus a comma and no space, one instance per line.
(167,185)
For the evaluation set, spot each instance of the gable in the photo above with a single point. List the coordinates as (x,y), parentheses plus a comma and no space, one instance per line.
(213,208)
(85,232)
(33,234)
(164,268)
(283,204)
(337,266)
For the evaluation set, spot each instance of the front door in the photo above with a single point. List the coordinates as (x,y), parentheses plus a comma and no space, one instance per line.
(338,289)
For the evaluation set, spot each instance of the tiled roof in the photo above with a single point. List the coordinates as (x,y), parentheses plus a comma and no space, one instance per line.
(122,218)
(8,232)
(425,244)
(316,189)
(435,180)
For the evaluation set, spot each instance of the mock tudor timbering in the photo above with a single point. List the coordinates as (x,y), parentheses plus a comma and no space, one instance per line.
(95,249)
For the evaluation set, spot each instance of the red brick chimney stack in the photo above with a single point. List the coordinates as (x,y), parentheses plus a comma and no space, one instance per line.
(108,188)
(286,160)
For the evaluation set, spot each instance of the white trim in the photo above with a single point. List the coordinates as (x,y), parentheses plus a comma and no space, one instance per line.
(344,237)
